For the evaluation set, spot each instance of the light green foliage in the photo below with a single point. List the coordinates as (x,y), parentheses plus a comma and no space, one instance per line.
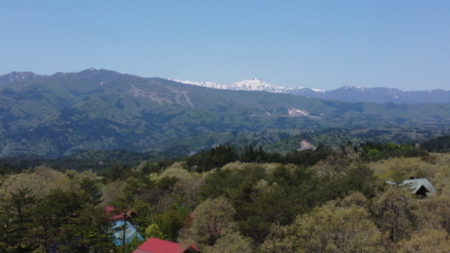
(40,179)
(391,146)
(234,166)
(332,206)
(231,242)
(373,152)
(187,191)
(153,230)
(112,191)
(436,241)
(403,168)
(327,229)
(175,170)
(354,198)
(443,180)
(395,213)
(435,212)
(212,220)
(406,146)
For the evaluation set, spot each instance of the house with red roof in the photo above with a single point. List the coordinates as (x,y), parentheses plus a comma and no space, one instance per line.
(155,245)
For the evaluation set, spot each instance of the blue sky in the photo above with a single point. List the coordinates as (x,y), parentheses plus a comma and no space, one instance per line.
(317,44)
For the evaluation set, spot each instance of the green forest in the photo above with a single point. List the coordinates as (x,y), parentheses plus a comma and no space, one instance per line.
(328,199)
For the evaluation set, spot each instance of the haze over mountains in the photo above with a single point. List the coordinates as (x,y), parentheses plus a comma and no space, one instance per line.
(100,109)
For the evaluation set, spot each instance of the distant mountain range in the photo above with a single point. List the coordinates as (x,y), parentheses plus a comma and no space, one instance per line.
(346,93)
(18,76)
(100,109)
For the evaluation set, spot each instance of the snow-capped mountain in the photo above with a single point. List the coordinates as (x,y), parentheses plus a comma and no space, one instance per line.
(252,84)
(256,85)
(345,93)
(202,84)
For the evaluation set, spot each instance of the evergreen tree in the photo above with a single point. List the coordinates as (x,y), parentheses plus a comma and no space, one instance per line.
(17,230)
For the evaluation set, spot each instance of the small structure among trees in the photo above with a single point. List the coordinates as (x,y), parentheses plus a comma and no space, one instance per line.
(420,186)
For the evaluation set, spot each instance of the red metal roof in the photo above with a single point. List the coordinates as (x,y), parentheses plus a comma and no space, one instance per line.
(120,216)
(155,245)
(141,251)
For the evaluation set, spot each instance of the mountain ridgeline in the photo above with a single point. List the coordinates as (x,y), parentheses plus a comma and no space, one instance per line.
(64,113)
(345,93)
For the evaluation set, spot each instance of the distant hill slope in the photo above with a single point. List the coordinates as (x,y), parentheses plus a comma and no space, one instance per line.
(379,95)
(18,76)
(100,109)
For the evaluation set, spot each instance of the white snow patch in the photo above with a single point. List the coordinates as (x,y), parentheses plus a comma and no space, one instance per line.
(252,84)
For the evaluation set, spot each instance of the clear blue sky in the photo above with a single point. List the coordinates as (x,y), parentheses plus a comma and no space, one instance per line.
(317,44)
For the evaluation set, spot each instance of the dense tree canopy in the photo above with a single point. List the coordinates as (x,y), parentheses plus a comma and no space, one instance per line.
(225,200)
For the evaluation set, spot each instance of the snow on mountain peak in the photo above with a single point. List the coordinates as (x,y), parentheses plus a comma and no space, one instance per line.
(252,84)
(202,84)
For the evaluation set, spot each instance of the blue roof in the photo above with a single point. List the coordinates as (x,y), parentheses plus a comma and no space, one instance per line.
(130,232)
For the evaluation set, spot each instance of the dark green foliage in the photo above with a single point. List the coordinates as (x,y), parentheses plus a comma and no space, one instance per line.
(359,178)
(68,219)
(166,183)
(55,214)
(139,188)
(213,158)
(116,172)
(156,167)
(308,157)
(437,144)
(90,230)
(218,157)
(65,219)
(89,186)
(171,222)
(261,200)
(272,142)
(17,232)
(378,151)
(84,160)
(304,157)
(254,155)
(6,170)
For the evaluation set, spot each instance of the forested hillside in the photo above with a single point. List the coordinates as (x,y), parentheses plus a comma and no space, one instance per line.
(58,115)
(271,141)
(223,199)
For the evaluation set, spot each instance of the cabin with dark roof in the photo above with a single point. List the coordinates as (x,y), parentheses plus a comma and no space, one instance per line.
(420,186)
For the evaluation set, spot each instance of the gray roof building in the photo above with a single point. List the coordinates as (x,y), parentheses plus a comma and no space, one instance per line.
(419,186)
